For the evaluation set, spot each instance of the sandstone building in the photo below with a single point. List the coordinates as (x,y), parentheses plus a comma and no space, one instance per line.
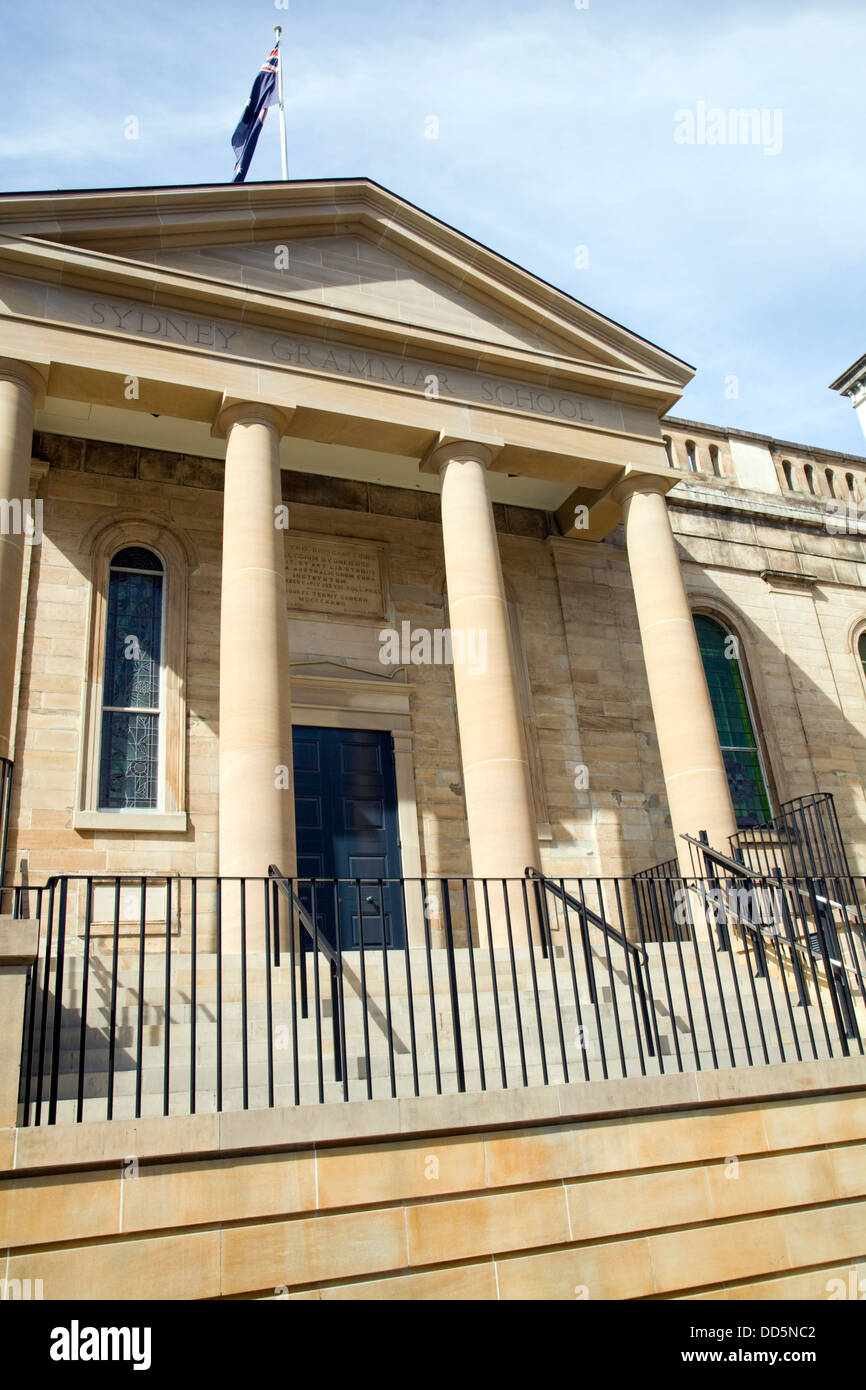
(335,542)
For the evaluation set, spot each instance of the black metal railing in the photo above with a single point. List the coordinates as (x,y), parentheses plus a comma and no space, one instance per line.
(157,996)
(634,956)
(651,896)
(762,907)
(307,923)
(805,838)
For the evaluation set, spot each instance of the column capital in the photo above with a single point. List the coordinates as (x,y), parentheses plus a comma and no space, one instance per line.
(31,375)
(452,449)
(39,470)
(640,482)
(234,411)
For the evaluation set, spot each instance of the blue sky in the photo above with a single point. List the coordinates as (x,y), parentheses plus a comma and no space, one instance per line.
(555,131)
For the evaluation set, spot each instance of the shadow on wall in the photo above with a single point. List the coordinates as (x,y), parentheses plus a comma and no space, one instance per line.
(809,743)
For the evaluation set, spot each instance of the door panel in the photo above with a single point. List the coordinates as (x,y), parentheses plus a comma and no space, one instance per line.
(346,816)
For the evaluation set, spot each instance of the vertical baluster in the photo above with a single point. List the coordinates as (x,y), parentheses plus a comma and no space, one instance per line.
(219,994)
(386,980)
(166,1102)
(365,1017)
(139,1033)
(478,1040)
(410,1002)
(338,1011)
(193,1004)
(85,980)
(431,989)
(295,956)
(581,1031)
(245,1086)
(58,1000)
(269,1000)
(46,991)
(452,987)
(320,1061)
(112,1013)
(514,983)
(494,985)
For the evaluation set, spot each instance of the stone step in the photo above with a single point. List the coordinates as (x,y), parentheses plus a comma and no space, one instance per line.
(596,1043)
(258,1095)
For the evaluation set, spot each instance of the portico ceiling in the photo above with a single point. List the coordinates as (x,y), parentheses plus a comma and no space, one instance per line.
(85,421)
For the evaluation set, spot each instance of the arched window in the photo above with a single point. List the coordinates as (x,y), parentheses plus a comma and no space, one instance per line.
(669,450)
(736,730)
(132,768)
(810,478)
(132,682)
(692,455)
(831,482)
(851,486)
(789,474)
(861,651)
(714,460)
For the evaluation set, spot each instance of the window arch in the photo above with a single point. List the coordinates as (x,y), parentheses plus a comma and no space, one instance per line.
(810,478)
(132,686)
(851,485)
(132,764)
(669,450)
(692,455)
(788,471)
(831,481)
(861,651)
(734,723)
(714,460)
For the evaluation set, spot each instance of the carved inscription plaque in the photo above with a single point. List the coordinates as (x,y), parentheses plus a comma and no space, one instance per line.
(333,577)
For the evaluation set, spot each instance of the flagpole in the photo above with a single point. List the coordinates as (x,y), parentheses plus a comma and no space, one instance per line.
(278,31)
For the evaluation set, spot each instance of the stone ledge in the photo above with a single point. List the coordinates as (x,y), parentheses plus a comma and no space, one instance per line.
(103,1143)
(18,941)
(128,822)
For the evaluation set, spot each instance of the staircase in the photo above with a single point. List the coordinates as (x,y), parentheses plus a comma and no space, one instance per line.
(224,1032)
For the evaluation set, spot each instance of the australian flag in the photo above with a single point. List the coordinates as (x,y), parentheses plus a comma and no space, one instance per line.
(263,95)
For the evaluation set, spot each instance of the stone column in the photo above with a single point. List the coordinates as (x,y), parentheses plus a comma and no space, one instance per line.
(256,798)
(502,834)
(21,389)
(694,771)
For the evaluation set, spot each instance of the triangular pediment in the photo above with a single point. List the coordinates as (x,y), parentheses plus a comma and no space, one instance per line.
(352,274)
(340,257)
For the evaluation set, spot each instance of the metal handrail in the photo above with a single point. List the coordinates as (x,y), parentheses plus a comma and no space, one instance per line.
(588,917)
(738,870)
(558,891)
(321,943)
(733,866)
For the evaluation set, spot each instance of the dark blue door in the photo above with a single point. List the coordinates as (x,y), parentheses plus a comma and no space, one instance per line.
(346,818)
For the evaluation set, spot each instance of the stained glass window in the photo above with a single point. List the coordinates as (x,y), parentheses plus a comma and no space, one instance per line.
(129,754)
(734,723)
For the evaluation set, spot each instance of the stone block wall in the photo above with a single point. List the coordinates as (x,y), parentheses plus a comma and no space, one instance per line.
(791,591)
(726,1185)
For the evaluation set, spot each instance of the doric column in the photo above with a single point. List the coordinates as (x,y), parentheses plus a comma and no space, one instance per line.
(694,771)
(496,781)
(256,799)
(21,390)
